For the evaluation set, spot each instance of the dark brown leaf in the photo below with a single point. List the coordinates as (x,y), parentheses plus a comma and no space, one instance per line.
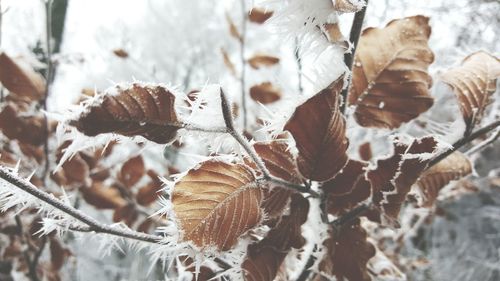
(132,171)
(265,93)
(22,127)
(102,197)
(20,80)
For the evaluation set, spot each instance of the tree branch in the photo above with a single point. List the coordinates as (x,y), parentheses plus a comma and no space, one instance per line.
(243,64)
(357,25)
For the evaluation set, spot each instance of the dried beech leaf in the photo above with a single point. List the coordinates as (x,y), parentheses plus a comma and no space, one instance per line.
(103,197)
(127,214)
(348,188)
(347,255)
(215,203)
(151,191)
(20,80)
(121,53)
(259,61)
(348,6)
(335,35)
(139,110)
(265,93)
(280,163)
(58,254)
(390,83)
(318,128)
(76,170)
(259,15)
(393,177)
(32,151)
(132,171)
(365,151)
(266,256)
(451,168)
(227,62)
(27,129)
(233,30)
(473,83)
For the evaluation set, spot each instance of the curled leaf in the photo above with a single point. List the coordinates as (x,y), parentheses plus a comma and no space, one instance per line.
(20,80)
(147,111)
(215,203)
(265,93)
(451,168)
(259,15)
(318,128)
(233,30)
(473,83)
(259,61)
(390,82)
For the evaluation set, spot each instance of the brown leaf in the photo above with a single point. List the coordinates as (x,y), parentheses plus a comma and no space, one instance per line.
(227,62)
(259,61)
(127,213)
(473,83)
(393,177)
(215,203)
(233,30)
(121,53)
(265,93)
(335,35)
(280,163)
(27,129)
(132,171)
(76,170)
(58,254)
(390,84)
(266,256)
(259,15)
(348,188)
(151,191)
(347,255)
(139,110)
(20,80)
(102,197)
(438,176)
(318,128)
(348,6)
(32,151)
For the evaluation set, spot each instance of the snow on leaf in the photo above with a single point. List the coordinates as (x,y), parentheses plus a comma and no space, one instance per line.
(392,178)
(265,93)
(390,83)
(318,128)
(215,203)
(348,253)
(451,168)
(147,111)
(473,83)
(259,15)
(348,6)
(265,257)
(20,80)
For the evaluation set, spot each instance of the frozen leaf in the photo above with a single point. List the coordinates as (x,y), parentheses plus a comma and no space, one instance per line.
(102,197)
(451,168)
(393,177)
(265,257)
(348,6)
(132,171)
(390,83)
(474,83)
(365,151)
(27,129)
(217,202)
(318,128)
(265,93)
(347,255)
(58,254)
(233,30)
(280,163)
(20,80)
(138,110)
(151,191)
(227,61)
(121,53)
(259,61)
(335,35)
(348,188)
(127,214)
(259,15)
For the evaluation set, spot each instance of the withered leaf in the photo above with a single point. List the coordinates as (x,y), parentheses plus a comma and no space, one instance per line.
(393,177)
(390,83)
(151,191)
(259,15)
(138,110)
(227,62)
(265,257)
(473,83)
(58,254)
(233,30)
(121,53)
(259,61)
(365,151)
(127,214)
(27,129)
(215,203)
(102,197)
(334,34)
(132,171)
(318,128)
(265,93)
(20,80)
(347,255)
(451,168)
(348,6)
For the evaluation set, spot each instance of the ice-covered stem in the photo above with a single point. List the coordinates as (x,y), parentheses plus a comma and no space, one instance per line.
(357,25)
(243,63)
(484,143)
(463,141)
(228,120)
(92,223)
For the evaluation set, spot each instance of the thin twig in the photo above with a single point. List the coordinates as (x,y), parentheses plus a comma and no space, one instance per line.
(299,66)
(357,25)
(243,63)
(484,143)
